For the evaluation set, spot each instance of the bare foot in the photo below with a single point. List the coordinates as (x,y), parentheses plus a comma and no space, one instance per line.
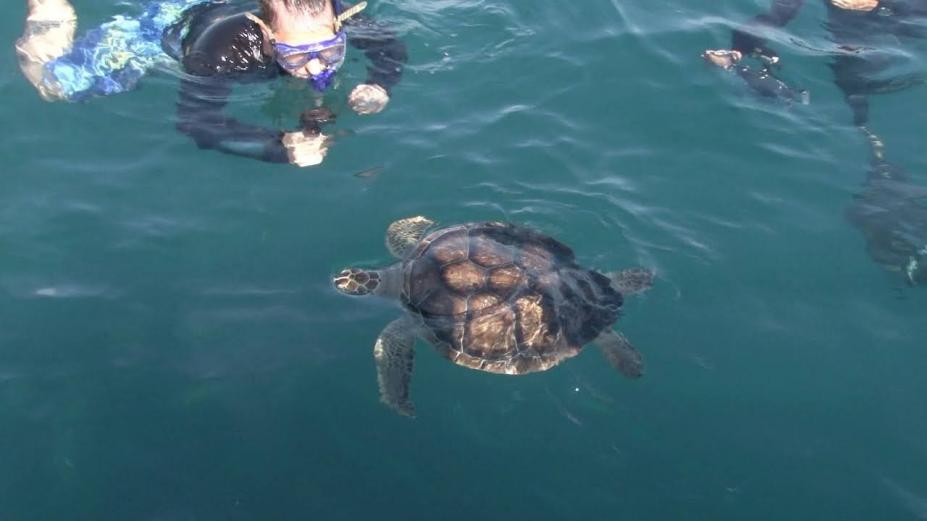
(47,35)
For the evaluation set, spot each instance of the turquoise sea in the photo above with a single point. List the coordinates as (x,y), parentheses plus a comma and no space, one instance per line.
(171,347)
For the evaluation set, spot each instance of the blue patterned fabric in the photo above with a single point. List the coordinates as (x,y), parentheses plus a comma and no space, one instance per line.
(112,58)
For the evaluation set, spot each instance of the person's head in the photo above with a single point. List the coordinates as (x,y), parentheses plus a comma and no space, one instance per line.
(299,16)
(306,40)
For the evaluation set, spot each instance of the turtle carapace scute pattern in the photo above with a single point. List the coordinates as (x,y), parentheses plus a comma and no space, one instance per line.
(505,299)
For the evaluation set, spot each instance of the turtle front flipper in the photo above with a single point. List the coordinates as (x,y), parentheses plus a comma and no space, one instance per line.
(620,353)
(394,356)
(404,234)
(631,280)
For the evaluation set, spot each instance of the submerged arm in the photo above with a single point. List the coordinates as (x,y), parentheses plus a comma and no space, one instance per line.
(386,52)
(747,39)
(199,115)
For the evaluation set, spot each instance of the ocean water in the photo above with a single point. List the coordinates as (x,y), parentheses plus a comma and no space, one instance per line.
(171,348)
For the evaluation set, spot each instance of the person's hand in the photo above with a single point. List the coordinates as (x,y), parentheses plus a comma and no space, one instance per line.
(368,99)
(723,58)
(305,149)
(856,5)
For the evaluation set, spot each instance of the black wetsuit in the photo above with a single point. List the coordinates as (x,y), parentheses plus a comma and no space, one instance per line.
(891,211)
(222,46)
(854,73)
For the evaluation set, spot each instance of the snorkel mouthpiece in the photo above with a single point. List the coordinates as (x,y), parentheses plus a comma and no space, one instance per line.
(321,82)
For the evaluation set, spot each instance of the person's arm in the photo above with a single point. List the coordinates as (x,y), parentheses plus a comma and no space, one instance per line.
(387,55)
(386,52)
(200,116)
(746,42)
(747,39)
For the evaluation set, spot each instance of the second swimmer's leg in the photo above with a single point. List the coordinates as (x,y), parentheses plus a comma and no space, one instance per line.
(47,35)
(850,78)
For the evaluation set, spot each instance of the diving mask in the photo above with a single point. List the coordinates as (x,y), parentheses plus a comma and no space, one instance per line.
(330,53)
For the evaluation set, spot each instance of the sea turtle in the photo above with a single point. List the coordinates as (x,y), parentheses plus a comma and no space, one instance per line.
(491,296)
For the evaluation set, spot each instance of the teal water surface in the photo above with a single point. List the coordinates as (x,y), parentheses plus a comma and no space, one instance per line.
(171,348)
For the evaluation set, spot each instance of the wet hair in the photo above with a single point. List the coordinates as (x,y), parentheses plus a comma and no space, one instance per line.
(270,8)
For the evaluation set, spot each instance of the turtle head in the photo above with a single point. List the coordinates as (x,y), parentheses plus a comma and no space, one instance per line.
(357,282)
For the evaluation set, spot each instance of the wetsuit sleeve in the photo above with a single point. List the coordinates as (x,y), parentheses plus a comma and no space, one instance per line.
(199,115)
(747,40)
(386,52)
(219,50)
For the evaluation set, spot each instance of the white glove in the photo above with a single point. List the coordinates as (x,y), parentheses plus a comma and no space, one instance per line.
(368,99)
(305,149)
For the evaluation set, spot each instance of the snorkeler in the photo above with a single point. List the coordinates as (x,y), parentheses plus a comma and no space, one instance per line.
(218,44)
(856,26)
(890,211)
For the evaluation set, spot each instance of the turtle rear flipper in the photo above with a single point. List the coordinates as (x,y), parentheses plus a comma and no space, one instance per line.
(631,280)
(404,234)
(621,354)
(395,357)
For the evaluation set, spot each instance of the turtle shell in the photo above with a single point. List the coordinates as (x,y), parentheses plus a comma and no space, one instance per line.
(505,299)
